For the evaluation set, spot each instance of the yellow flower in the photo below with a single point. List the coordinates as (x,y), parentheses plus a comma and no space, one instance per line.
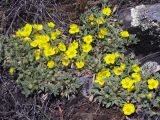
(55,34)
(100,81)
(34,43)
(71,53)
(110,58)
(136,77)
(11,70)
(91,17)
(100,20)
(118,71)
(105,73)
(74,45)
(37,27)
(153,84)
(88,39)
(131,88)
(123,66)
(92,23)
(65,61)
(102,33)
(27,27)
(61,46)
(18,33)
(127,83)
(106,11)
(50,64)
(86,48)
(73,29)
(49,52)
(40,41)
(25,31)
(124,34)
(51,24)
(58,32)
(135,68)
(56,50)
(44,45)
(149,95)
(79,64)
(37,54)
(128,108)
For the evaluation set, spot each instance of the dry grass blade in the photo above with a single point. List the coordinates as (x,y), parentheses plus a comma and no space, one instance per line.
(23,11)
(18,12)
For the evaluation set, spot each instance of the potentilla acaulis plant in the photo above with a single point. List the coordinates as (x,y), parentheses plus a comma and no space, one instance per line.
(45,59)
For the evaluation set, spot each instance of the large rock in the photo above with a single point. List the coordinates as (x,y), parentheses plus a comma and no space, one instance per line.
(143,20)
(144,17)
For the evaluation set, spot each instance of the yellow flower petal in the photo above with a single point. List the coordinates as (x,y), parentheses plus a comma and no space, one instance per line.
(124,34)
(128,108)
(50,64)
(80,64)
(106,11)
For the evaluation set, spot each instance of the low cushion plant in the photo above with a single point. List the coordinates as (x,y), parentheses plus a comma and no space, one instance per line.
(46,59)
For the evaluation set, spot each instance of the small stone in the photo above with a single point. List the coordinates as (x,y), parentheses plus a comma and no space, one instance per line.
(87,84)
(150,67)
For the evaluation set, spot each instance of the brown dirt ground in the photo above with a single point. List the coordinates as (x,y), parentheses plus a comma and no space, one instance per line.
(15,106)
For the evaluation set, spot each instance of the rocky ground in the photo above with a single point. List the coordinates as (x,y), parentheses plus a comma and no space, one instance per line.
(15,106)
